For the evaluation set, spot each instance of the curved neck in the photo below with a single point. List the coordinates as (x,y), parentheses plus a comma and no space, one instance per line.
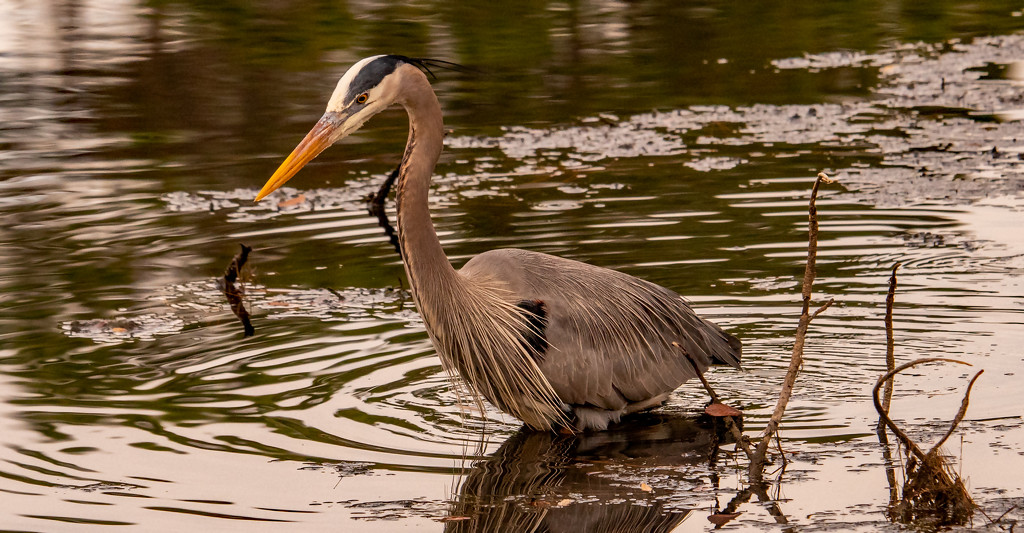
(425,261)
(477,332)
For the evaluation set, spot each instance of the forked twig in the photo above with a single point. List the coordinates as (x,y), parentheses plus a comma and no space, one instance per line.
(933,491)
(910,445)
(756,468)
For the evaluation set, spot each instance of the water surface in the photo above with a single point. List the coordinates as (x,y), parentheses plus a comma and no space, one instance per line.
(673,143)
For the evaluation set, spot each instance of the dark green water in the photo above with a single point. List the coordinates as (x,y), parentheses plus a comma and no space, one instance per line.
(674,142)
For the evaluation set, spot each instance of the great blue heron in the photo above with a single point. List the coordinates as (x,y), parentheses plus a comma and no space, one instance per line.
(554,342)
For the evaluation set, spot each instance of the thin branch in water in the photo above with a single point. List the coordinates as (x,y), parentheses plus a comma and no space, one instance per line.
(959,414)
(890,365)
(907,442)
(733,426)
(932,492)
(385,189)
(375,207)
(782,454)
(890,343)
(1002,516)
(234,294)
(756,468)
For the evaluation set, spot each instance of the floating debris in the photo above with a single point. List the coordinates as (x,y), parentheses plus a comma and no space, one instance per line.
(715,163)
(115,330)
(717,409)
(839,59)
(292,202)
(342,468)
(283,200)
(586,143)
(196,301)
(940,128)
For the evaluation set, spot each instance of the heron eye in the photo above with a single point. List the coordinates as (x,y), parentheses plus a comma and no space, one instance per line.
(361,99)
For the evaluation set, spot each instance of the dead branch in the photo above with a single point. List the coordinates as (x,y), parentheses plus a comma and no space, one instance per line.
(237,262)
(890,343)
(890,364)
(375,208)
(234,294)
(933,491)
(756,468)
(959,414)
(883,413)
(376,201)
(733,425)
(907,442)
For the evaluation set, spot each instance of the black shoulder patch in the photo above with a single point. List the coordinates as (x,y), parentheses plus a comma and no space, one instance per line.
(372,74)
(535,339)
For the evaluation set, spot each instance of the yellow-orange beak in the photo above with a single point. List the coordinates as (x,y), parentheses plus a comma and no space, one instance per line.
(323,134)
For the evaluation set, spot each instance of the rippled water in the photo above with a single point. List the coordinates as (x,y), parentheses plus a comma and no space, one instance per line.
(133,138)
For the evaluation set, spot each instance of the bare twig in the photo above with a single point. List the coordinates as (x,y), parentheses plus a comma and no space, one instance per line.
(234,294)
(756,468)
(991,418)
(959,414)
(885,416)
(375,207)
(890,343)
(890,365)
(377,200)
(932,492)
(1002,516)
(733,426)
(823,307)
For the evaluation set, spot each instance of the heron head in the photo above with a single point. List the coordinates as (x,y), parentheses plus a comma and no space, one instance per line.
(367,88)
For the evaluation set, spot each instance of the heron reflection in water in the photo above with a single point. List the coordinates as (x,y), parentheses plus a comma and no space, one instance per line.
(556,343)
(542,481)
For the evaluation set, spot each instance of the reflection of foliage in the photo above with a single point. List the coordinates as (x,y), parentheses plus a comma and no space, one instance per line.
(289,35)
(240,67)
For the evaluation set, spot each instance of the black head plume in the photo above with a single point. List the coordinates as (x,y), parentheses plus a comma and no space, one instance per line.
(425,64)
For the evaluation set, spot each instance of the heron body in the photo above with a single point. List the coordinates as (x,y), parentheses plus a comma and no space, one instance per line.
(554,342)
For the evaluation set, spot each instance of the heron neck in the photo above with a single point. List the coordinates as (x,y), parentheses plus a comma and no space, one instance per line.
(425,261)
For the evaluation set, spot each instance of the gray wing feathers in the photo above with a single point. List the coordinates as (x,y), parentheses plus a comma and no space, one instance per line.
(610,334)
